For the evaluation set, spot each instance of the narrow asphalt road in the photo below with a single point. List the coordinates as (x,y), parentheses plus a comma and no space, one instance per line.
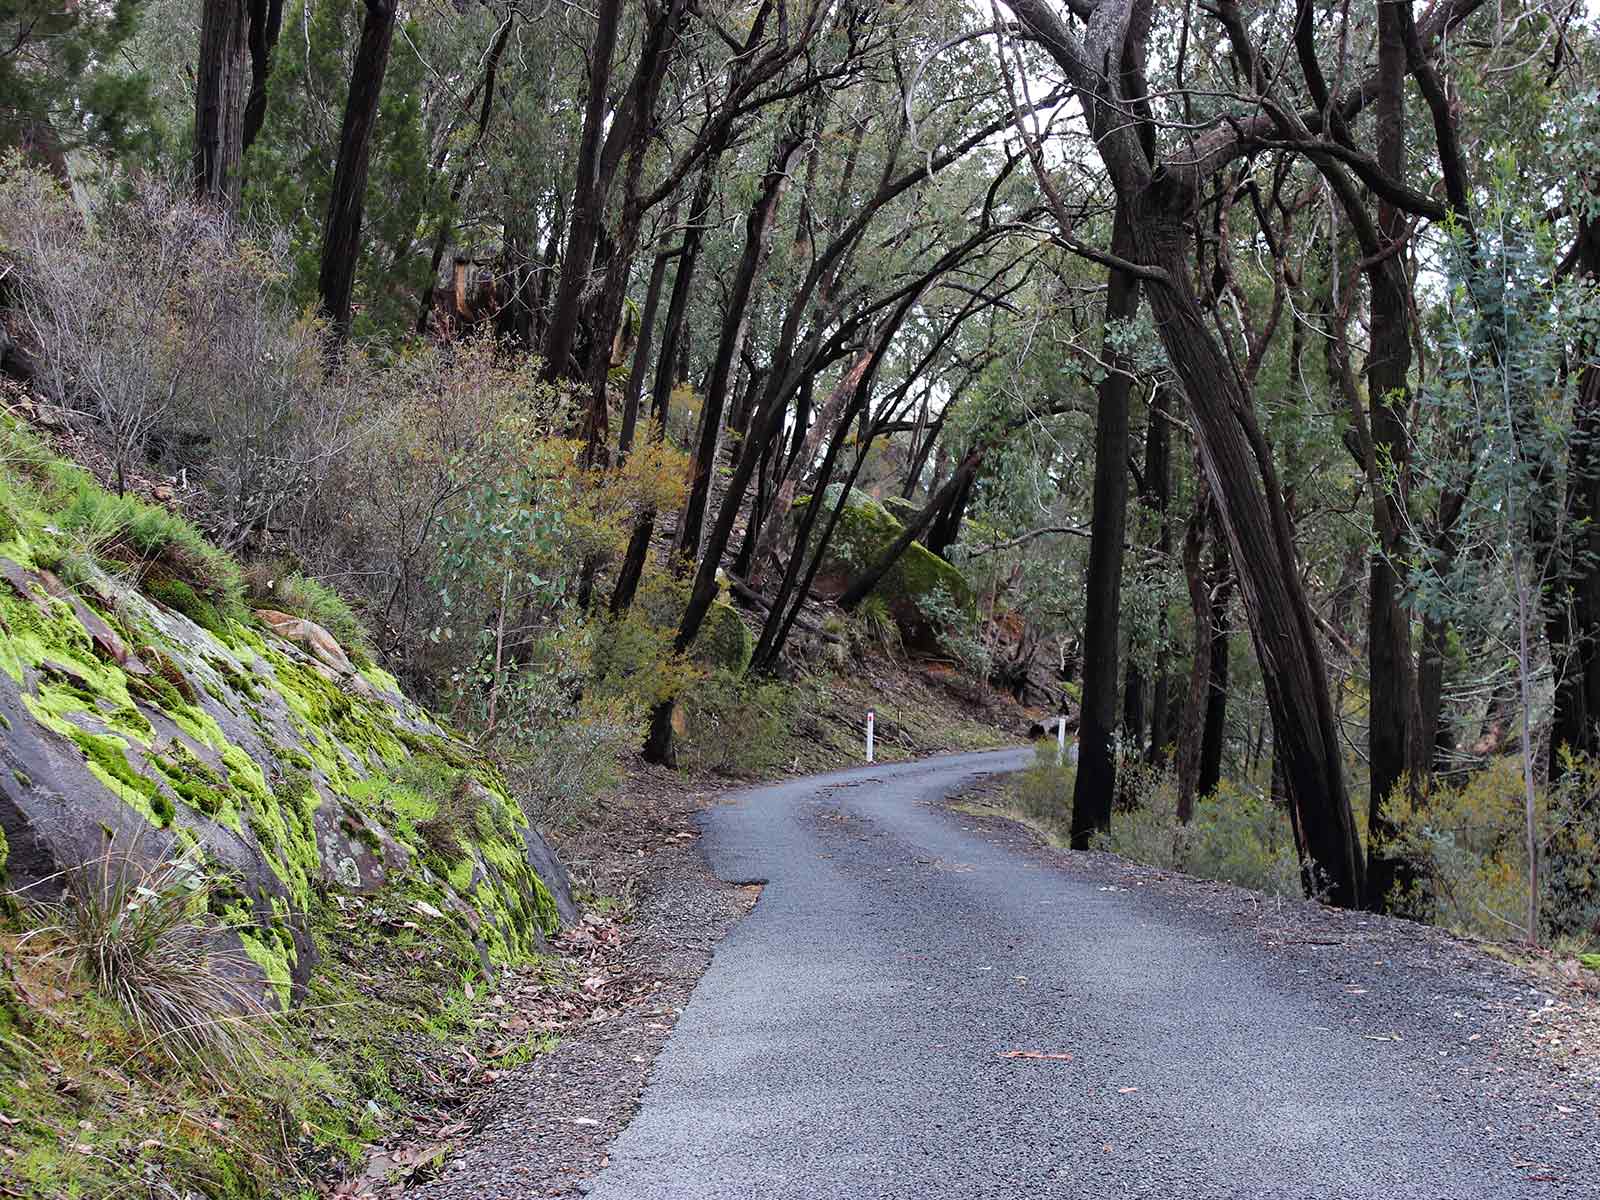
(850,1036)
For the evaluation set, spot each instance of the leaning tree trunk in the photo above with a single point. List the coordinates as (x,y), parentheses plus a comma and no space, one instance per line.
(221,89)
(1238,467)
(758,236)
(1094,791)
(341,235)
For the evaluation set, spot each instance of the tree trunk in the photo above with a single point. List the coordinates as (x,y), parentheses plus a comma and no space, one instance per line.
(588,205)
(633,562)
(1191,732)
(1210,773)
(1094,792)
(341,235)
(757,238)
(266,22)
(801,462)
(221,88)
(1238,466)
(1154,498)
(1391,684)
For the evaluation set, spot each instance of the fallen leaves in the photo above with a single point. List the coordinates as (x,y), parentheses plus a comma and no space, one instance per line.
(1038,1055)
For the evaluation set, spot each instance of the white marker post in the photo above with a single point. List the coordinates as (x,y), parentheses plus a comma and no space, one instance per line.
(1061,741)
(871,717)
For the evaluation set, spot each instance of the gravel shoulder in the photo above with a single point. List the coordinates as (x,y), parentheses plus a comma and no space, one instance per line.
(928,1000)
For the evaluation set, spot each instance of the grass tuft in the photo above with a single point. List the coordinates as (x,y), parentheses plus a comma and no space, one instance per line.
(137,933)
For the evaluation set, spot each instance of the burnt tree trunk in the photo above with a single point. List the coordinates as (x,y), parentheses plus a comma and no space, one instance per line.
(633,562)
(757,238)
(266,22)
(1239,470)
(1391,679)
(341,234)
(1094,792)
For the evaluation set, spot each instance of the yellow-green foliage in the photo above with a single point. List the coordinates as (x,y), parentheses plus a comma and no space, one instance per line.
(1235,834)
(1467,838)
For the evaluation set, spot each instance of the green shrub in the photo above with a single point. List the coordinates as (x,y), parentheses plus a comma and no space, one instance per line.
(1043,792)
(1235,834)
(733,726)
(1466,839)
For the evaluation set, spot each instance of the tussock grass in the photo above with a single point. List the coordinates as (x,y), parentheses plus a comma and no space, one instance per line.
(138,933)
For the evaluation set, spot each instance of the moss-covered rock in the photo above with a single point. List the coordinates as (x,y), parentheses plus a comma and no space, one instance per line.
(912,588)
(293,778)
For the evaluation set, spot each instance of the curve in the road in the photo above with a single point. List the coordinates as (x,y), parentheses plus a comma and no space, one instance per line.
(850,1036)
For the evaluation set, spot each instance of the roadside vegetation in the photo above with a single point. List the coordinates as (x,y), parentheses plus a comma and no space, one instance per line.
(416,417)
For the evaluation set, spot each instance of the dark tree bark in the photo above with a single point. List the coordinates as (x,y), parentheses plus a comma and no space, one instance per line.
(636,125)
(633,562)
(341,234)
(588,201)
(266,22)
(641,352)
(757,239)
(1154,496)
(1094,791)
(221,88)
(1391,681)
(1576,723)
(1191,728)
(1161,203)
(1210,773)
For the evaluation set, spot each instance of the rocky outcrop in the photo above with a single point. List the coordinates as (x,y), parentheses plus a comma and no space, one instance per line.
(917,588)
(296,776)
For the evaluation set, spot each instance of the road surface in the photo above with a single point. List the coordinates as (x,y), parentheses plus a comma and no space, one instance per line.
(855,1035)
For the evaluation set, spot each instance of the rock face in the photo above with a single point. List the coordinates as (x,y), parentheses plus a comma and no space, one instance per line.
(866,529)
(125,724)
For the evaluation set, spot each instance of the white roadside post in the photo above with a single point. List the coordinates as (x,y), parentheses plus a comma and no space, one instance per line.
(871,717)
(1061,741)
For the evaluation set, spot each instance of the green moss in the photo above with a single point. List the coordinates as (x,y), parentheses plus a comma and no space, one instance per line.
(107,756)
(269,952)
(866,529)
(180,596)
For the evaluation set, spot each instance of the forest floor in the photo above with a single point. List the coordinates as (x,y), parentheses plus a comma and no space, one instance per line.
(1494,1063)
